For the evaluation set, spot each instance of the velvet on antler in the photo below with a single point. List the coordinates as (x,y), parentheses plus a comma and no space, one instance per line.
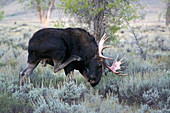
(116,66)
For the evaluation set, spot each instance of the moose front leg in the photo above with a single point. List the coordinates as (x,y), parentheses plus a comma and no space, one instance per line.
(27,71)
(58,66)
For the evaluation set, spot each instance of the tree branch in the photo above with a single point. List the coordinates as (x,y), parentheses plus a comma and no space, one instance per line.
(137,41)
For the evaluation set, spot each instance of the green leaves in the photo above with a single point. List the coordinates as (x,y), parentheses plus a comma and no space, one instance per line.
(1,14)
(80,7)
(115,11)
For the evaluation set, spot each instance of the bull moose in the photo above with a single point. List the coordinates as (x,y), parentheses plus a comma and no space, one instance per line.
(69,49)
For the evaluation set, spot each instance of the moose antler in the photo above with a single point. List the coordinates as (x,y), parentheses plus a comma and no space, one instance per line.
(116,64)
(101,47)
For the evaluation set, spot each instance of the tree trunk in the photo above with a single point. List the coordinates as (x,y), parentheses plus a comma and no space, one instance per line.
(39,14)
(46,24)
(43,17)
(39,11)
(96,23)
(143,54)
(43,14)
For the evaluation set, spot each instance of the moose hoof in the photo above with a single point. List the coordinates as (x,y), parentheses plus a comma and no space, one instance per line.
(21,74)
(22,80)
(57,69)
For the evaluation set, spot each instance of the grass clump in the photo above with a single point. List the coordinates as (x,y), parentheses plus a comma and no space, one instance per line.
(9,104)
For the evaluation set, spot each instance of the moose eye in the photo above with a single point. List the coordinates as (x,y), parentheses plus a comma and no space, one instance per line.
(33,53)
(99,64)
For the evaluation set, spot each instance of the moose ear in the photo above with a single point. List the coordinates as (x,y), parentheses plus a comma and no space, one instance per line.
(96,54)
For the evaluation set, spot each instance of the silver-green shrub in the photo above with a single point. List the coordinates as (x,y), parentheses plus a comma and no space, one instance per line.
(47,100)
(3,84)
(71,92)
(151,96)
(144,109)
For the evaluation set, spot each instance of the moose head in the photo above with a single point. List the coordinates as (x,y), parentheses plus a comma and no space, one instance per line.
(97,64)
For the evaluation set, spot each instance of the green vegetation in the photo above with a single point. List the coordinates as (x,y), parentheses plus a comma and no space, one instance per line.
(103,15)
(167,15)
(1,14)
(10,104)
(145,89)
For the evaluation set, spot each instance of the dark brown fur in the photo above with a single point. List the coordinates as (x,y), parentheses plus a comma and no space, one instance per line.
(61,44)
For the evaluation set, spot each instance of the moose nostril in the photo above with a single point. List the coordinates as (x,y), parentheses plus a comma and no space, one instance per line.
(92,77)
